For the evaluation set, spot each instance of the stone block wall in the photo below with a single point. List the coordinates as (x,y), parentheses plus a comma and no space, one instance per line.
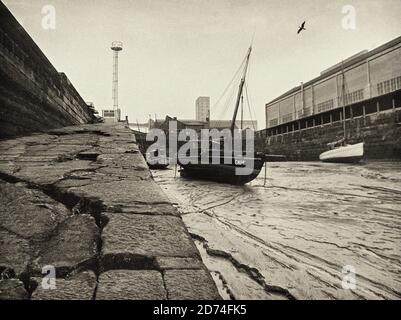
(34,96)
(381,133)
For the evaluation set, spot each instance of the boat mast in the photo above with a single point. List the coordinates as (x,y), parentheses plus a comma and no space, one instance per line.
(343,97)
(241,86)
(242,111)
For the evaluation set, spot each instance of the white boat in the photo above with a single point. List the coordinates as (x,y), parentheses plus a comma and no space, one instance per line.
(340,151)
(349,153)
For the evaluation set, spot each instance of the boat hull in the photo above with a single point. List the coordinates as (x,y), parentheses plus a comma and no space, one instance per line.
(348,154)
(154,162)
(158,166)
(222,173)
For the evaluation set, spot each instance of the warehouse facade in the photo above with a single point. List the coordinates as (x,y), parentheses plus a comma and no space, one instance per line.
(358,99)
(365,76)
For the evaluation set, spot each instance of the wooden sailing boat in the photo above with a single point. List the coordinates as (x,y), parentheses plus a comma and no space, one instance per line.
(154,160)
(340,150)
(221,172)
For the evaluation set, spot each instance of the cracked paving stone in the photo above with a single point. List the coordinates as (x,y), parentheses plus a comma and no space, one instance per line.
(131,285)
(7,167)
(121,193)
(29,213)
(15,253)
(12,289)
(184,285)
(133,240)
(74,246)
(153,209)
(52,172)
(125,160)
(111,148)
(165,263)
(136,173)
(80,286)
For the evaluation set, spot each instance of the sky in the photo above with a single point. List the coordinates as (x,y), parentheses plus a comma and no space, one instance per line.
(177,50)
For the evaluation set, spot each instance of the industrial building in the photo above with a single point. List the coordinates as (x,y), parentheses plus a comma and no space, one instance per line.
(358,99)
(367,75)
(202,106)
(111,115)
(226,124)
(198,125)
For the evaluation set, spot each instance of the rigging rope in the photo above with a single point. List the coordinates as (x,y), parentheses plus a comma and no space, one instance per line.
(227,105)
(249,106)
(237,73)
(249,100)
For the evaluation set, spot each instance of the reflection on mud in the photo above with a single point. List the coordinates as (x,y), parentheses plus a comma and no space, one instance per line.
(291,238)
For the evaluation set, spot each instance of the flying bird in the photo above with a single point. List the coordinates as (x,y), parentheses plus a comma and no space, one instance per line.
(302,27)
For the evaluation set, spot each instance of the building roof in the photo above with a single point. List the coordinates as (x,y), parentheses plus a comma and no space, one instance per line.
(192,122)
(227,123)
(361,56)
(217,124)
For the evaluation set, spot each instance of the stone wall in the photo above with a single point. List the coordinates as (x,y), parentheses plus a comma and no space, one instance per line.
(34,96)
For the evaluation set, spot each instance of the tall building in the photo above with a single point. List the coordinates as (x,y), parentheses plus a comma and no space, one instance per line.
(202,108)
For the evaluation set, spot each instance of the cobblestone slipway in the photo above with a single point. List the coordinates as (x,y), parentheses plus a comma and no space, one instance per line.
(82,199)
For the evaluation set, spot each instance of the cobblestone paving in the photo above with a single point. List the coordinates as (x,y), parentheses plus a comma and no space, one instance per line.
(82,199)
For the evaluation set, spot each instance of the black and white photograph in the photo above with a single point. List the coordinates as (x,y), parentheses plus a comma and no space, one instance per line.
(213,152)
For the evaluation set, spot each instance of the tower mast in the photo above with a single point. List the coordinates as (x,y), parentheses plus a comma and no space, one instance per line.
(116,46)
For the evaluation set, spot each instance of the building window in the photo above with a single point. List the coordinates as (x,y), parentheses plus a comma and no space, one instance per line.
(273,122)
(108,113)
(353,97)
(287,118)
(380,89)
(393,84)
(326,105)
(398,82)
(389,86)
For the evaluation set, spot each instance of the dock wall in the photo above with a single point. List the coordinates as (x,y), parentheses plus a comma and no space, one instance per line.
(34,96)
(376,123)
